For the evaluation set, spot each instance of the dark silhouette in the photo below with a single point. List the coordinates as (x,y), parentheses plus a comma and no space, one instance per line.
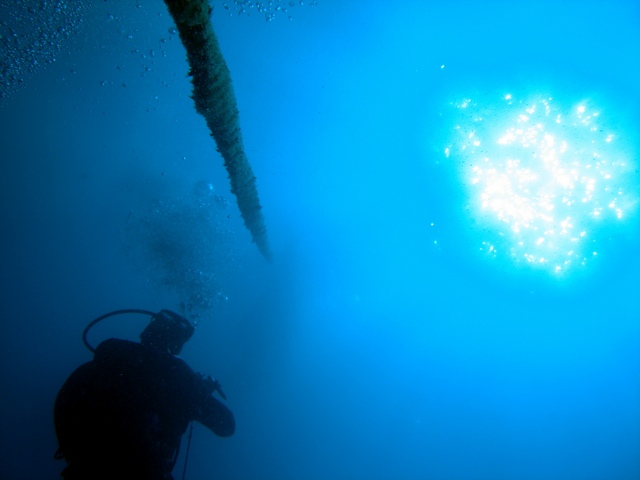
(122,415)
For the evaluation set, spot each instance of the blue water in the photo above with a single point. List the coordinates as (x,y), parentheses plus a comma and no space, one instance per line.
(382,342)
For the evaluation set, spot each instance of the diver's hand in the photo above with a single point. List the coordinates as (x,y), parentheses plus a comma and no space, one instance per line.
(213,385)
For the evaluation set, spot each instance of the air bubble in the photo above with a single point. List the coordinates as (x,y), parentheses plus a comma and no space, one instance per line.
(271,10)
(41,29)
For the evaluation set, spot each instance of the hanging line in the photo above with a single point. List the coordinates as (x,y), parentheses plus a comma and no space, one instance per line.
(186,457)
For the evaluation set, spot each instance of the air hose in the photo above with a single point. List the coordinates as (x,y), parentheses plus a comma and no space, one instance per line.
(107,315)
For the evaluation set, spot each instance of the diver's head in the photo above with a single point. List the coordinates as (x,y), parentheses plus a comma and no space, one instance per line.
(167,332)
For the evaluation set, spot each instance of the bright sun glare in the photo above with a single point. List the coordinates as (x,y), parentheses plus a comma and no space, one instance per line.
(545,179)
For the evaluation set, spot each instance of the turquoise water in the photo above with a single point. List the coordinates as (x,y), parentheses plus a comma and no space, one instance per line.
(451,197)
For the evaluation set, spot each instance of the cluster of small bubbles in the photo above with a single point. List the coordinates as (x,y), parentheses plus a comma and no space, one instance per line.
(545,176)
(185,246)
(434,233)
(32,34)
(270,8)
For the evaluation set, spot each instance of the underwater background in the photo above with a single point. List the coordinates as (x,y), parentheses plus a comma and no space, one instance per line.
(454,289)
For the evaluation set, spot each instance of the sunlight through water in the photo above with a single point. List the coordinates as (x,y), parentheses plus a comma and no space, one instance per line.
(545,180)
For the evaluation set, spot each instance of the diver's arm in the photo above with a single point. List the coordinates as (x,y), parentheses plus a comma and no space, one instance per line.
(203,406)
(214,415)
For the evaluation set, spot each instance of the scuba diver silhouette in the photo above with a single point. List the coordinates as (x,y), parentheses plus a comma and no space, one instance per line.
(122,415)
